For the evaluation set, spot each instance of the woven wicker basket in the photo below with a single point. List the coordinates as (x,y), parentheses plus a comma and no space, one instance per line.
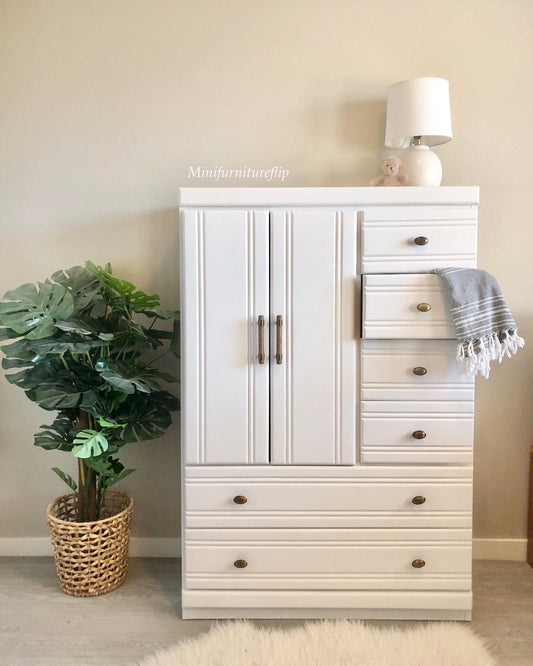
(91,558)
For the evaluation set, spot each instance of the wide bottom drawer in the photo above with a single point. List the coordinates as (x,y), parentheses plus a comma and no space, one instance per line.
(327,565)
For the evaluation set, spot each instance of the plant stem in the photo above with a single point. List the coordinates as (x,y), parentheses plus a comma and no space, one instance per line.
(81,471)
(87,509)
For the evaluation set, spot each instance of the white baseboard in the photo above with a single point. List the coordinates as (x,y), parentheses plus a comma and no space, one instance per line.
(26,547)
(483,549)
(500,549)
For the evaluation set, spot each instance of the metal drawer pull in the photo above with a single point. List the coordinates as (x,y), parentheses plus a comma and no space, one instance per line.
(240,564)
(279,339)
(418,499)
(240,499)
(418,564)
(423,307)
(421,240)
(418,434)
(420,371)
(261,327)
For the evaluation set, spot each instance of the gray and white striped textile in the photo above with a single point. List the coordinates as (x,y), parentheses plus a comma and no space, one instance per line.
(486,330)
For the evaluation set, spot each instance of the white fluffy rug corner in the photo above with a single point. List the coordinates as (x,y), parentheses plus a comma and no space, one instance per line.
(329,643)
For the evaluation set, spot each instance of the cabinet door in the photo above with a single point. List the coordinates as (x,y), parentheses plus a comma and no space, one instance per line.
(224,290)
(313,290)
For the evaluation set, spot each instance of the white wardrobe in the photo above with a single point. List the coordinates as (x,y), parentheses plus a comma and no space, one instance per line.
(326,428)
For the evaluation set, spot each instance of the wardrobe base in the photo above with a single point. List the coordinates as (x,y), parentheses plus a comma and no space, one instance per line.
(362,605)
(323,614)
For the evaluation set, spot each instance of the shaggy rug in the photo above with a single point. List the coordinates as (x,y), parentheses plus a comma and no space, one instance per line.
(329,643)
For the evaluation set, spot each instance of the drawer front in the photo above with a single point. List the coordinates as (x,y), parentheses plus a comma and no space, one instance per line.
(263,497)
(289,564)
(413,370)
(414,240)
(391,435)
(393,307)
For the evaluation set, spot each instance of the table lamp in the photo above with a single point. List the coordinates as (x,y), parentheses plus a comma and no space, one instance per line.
(418,116)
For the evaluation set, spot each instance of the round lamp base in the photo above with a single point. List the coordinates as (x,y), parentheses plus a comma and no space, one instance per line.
(421,166)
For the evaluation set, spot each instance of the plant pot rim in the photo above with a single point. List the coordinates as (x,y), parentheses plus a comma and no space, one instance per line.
(50,516)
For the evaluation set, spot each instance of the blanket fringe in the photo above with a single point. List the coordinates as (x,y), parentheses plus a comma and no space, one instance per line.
(476,354)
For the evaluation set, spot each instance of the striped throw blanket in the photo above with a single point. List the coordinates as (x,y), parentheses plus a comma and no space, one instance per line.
(486,330)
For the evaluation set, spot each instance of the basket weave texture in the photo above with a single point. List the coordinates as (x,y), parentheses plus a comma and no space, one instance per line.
(91,558)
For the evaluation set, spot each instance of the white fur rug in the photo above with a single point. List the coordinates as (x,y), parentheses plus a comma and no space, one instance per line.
(329,643)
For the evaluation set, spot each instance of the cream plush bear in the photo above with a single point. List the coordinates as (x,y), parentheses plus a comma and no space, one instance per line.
(391,173)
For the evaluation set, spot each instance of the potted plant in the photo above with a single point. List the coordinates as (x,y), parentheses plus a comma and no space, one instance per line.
(83,346)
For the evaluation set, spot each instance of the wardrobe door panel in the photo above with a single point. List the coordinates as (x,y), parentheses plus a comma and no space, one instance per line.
(313,301)
(224,256)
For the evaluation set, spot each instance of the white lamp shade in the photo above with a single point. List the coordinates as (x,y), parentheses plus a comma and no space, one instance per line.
(418,107)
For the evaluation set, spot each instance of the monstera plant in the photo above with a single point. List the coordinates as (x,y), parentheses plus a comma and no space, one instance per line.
(84,344)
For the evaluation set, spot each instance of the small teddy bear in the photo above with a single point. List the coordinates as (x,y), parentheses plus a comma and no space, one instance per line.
(391,173)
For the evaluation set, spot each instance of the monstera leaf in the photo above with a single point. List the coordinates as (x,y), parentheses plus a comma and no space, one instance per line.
(89,443)
(145,415)
(66,478)
(53,386)
(130,376)
(82,285)
(60,434)
(122,292)
(33,309)
(84,328)
(110,470)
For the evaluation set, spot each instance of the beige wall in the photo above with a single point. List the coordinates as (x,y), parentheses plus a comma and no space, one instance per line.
(105,104)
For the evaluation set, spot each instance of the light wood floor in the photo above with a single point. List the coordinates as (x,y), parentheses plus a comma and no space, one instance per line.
(41,626)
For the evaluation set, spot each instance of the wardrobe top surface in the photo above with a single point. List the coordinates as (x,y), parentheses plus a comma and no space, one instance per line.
(327,196)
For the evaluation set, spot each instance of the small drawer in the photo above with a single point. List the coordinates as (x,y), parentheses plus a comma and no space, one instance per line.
(415,240)
(413,370)
(287,564)
(405,306)
(437,432)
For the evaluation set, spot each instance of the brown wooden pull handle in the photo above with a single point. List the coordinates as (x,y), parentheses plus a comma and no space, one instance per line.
(421,240)
(279,339)
(418,499)
(420,371)
(240,499)
(261,331)
(423,307)
(241,564)
(418,434)
(418,564)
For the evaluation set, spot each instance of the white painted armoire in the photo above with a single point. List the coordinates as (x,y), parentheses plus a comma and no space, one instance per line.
(326,428)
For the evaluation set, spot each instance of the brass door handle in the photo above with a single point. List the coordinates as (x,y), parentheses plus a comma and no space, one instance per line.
(420,371)
(418,564)
(421,240)
(241,564)
(423,307)
(418,499)
(261,343)
(279,339)
(418,434)
(240,499)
